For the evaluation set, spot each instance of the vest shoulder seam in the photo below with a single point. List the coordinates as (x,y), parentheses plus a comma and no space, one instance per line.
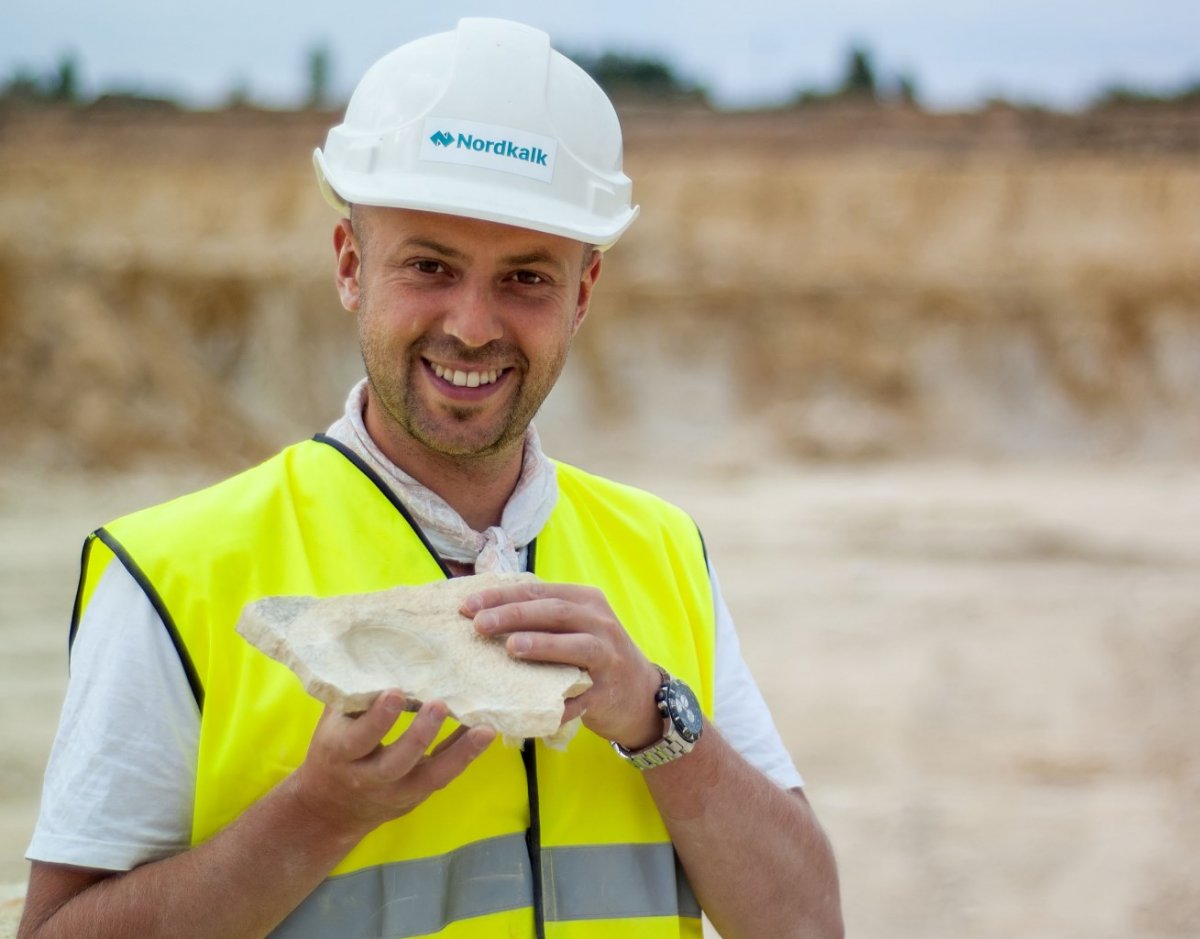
(156,601)
(361,465)
(77,608)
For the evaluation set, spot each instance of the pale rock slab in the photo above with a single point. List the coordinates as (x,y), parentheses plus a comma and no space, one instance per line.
(348,649)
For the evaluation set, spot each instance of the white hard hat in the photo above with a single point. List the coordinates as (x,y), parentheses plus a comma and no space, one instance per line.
(487,122)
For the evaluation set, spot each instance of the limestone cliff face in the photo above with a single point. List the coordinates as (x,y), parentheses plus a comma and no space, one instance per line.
(817,284)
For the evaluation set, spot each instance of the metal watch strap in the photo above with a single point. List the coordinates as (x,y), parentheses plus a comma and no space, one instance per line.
(669,748)
(656,754)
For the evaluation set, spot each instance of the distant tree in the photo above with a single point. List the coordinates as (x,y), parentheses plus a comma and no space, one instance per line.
(24,86)
(62,84)
(906,88)
(859,80)
(1122,94)
(620,73)
(645,74)
(65,86)
(805,96)
(319,71)
(239,94)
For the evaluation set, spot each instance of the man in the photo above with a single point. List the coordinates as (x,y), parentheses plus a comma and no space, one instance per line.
(195,790)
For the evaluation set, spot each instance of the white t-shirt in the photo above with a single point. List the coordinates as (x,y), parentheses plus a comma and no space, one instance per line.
(120,781)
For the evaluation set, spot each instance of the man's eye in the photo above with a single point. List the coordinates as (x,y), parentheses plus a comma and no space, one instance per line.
(529,278)
(429,267)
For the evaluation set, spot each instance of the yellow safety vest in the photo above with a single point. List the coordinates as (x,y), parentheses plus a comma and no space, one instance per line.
(528,841)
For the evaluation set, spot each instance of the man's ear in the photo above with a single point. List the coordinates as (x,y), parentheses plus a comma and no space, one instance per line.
(587,283)
(349,265)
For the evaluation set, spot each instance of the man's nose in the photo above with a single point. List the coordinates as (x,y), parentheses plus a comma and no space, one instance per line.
(473,318)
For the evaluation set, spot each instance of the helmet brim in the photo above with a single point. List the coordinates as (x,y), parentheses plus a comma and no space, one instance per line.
(431,193)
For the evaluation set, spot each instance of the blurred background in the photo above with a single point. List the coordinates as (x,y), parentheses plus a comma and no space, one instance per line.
(910,322)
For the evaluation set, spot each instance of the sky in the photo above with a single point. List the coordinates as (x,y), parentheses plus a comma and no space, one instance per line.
(746,52)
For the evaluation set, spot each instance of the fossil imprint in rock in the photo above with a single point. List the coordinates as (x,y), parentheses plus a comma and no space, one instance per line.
(347,649)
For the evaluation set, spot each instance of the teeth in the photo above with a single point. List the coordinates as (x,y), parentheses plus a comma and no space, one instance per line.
(467,379)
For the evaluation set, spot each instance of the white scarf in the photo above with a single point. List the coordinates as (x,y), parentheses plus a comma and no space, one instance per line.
(499,549)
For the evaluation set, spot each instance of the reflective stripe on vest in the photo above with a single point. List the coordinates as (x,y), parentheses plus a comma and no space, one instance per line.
(615,881)
(416,898)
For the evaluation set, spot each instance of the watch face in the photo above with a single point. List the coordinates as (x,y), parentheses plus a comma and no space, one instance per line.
(684,710)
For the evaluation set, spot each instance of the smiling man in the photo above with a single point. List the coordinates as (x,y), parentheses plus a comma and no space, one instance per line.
(196,790)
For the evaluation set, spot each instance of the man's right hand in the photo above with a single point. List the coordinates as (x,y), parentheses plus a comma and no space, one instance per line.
(352,782)
(234,885)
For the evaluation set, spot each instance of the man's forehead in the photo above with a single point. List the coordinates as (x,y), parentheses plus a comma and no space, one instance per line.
(459,236)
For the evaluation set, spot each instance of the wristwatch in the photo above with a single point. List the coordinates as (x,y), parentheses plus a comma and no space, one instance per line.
(682,725)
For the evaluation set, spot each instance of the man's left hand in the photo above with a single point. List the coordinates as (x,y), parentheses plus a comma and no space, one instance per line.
(574,625)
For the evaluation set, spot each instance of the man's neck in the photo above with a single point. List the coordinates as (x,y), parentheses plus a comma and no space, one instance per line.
(477,490)
(476,487)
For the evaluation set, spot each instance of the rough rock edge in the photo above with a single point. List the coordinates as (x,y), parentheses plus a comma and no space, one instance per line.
(264,623)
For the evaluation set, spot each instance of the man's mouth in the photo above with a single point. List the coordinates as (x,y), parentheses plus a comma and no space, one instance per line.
(464,379)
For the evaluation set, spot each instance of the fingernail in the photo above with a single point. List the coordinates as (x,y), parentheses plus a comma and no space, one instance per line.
(486,620)
(482,738)
(471,605)
(393,703)
(520,644)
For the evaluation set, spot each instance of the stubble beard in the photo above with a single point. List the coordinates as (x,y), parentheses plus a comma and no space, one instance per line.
(457,432)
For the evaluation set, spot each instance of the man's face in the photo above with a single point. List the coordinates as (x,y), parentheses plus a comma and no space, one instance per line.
(464,325)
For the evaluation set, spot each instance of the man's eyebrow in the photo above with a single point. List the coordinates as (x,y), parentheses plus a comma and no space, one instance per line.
(435,246)
(536,256)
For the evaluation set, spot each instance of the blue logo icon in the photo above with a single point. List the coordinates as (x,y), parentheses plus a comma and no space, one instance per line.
(442,139)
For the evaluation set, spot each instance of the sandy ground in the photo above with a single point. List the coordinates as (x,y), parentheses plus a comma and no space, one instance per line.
(989,675)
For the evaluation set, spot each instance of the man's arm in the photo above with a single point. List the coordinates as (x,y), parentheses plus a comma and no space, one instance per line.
(754,853)
(245,880)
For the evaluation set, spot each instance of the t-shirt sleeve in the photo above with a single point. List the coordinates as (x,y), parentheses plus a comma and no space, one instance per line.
(739,711)
(120,781)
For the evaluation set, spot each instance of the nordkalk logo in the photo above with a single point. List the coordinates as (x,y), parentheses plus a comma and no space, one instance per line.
(501,148)
(489,146)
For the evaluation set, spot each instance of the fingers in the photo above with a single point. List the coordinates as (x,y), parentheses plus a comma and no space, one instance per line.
(583,650)
(452,756)
(567,624)
(408,761)
(573,708)
(358,739)
(587,611)
(571,624)
(454,735)
(398,758)
(354,736)
(352,777)
(527,592)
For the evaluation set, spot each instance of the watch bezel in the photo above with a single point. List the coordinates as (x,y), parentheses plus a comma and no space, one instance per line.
(682,709)
(682,725)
